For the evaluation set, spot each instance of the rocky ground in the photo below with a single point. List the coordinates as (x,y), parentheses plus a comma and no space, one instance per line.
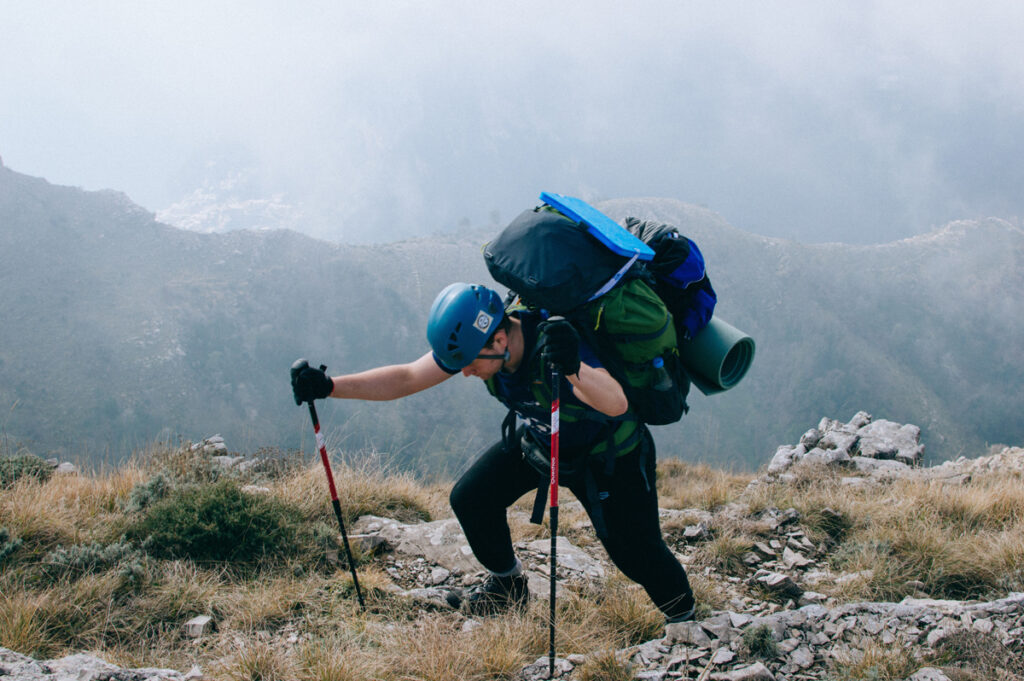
(776,626)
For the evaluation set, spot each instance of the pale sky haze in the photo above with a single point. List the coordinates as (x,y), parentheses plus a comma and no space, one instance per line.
(842,121)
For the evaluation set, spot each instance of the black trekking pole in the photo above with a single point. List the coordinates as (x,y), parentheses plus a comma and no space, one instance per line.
(555,381)
(334,497)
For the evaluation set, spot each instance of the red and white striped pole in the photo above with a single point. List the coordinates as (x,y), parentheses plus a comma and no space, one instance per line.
(555,384)
(321,445)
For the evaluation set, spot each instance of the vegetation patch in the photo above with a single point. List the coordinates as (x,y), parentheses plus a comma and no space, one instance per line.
(14,468)
(219,522)
(148,493)
(606,666)
(624,608)
(875,663)
(759,641)
(686,485)
(8,544)
(979,656)
(78,560)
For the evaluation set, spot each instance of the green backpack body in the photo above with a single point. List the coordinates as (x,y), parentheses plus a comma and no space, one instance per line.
(633,334)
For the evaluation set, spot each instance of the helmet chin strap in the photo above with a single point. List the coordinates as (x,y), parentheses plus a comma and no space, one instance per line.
(504,357)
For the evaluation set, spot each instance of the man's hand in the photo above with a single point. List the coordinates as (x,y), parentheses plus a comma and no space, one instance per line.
(560,345)
(310,384)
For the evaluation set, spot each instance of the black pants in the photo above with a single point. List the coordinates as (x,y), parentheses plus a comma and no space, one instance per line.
(499,477)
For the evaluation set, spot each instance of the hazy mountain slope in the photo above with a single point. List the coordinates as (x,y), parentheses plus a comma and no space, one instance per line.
(927,330)
(117,329)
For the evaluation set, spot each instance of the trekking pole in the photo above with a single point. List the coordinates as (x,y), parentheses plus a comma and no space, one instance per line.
(334,497)
(555,381)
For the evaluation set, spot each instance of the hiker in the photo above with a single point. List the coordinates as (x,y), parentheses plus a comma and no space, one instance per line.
(608,459)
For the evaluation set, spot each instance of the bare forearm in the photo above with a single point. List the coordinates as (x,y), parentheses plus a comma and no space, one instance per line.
(598,389)
(389,382)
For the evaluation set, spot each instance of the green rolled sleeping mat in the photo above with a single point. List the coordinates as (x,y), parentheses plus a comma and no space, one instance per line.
(718,357)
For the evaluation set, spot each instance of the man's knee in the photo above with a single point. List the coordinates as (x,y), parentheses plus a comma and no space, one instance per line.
(463,498)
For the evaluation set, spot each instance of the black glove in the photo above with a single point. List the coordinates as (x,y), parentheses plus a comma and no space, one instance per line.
(560,345)
(310,384)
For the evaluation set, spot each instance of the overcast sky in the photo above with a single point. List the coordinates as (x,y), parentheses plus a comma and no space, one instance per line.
(819,121)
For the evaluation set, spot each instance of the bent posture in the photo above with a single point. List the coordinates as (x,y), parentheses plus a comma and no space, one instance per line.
(607,455)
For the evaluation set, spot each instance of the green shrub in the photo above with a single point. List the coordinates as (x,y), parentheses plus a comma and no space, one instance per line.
(82,559)
(7,545)
(218,522)
(147,493)
(13,468)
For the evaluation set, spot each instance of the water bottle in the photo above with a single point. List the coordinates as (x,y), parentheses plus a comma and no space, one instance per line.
(662,380)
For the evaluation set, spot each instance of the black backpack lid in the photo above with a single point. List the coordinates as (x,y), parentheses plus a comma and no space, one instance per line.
(550,261)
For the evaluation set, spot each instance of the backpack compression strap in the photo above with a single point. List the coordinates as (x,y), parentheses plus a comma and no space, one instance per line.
(616,278)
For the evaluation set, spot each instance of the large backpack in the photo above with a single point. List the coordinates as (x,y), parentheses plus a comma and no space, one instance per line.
(632,303)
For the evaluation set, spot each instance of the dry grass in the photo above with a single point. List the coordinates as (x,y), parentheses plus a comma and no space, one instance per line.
(957,541)
(266,603)
(429,649)
(23,622)
(625,614)
(606,665)
(685,485)
(338,657)
(725,550)
(875,663)
(46,622)
(505,645)
(708,595)
(259,661)
(68,509)
(180,462)
(182,590)
(360,492)
(990,503)
(814,489)
(436,646)
(968,655)
(960,542)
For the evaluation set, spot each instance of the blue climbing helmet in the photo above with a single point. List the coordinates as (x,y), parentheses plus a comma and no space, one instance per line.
(461,320)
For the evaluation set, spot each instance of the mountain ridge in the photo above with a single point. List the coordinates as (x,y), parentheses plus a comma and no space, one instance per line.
(132,330)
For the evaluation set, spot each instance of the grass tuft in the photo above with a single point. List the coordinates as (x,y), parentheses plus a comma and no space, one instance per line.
(626,614)
(875,663)
(606,665)
(759,641)
(260,661)
(979,653)
(686,485)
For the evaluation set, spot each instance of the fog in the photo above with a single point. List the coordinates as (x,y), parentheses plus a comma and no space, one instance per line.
(855,122)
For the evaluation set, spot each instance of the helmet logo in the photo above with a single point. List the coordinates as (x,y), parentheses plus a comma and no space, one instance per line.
(483,322)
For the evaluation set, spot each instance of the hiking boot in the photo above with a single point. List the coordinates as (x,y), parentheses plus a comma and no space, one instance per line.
(498,594)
